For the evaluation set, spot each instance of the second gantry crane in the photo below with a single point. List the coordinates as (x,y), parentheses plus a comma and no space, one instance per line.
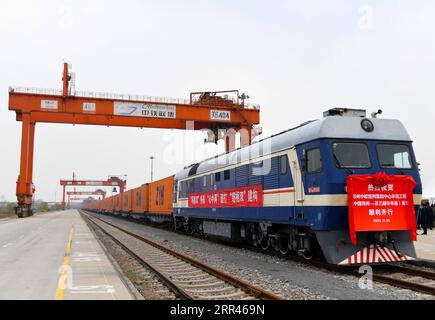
(112,181)
(98,192)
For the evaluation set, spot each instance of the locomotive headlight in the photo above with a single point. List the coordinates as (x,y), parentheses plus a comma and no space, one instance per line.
(367,125)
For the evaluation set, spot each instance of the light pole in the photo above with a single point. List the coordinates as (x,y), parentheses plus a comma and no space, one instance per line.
(152,167)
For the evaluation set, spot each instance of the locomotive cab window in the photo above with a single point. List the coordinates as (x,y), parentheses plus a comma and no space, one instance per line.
(351,155)
(217,176)
(227,175)
(394,156)
(284,165)
(181,190)
(314,160)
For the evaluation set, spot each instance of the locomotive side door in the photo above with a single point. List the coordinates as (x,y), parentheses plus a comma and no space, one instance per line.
(312,171)
(299,197)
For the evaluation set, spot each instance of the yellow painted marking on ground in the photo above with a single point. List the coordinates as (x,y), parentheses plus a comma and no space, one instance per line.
(63,278)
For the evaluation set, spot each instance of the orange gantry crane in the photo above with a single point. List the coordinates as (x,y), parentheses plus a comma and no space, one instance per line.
(214,111)
(98,192)
(112,181)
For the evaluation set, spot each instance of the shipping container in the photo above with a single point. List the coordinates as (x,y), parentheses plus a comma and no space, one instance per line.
(103,205)
(140,199)
(117,203)
(160,196)
(112,204)
(126,206)
(97,205)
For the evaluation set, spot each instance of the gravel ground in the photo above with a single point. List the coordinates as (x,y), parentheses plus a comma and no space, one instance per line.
(290,279)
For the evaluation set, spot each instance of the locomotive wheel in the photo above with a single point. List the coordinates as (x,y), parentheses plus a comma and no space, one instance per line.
(283,245)
(186,227)
(308,255)
(192,229)
(265,244)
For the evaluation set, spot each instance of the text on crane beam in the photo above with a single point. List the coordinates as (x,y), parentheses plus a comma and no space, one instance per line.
(49,105)
(145,110)
(220,115)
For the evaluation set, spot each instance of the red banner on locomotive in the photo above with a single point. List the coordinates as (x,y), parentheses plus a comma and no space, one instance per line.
(381,202)
(251,196)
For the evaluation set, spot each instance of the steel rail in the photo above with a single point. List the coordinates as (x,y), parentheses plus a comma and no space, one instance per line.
(179,292)
(404,284)
(412,271)
(238,283)
(381,278)
(377,277)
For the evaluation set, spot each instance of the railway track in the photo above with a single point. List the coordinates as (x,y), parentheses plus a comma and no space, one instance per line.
(407,277)
(186,277)
(421,280)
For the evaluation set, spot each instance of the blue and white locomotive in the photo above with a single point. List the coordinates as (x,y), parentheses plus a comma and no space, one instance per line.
(302,175)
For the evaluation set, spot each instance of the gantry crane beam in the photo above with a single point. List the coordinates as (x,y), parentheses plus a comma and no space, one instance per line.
(70,111)
(205,110)
(94,183)
(110,182)
(98,192)
(87,193)
(71,200)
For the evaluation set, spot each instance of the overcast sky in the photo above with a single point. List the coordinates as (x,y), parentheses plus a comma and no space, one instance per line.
(295,58)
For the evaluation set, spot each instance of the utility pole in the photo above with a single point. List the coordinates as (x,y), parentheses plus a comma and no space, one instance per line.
(152,158)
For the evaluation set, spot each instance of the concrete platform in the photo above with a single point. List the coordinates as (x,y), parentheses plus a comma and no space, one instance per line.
(56,256)
(425,245)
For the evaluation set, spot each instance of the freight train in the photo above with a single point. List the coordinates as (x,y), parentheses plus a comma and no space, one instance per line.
(290,192)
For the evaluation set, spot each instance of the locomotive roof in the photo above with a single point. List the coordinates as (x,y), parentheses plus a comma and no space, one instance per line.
(337,127)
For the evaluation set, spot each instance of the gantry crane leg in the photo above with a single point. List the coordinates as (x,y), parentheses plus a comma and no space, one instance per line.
(245,136)
(63,198)
(25,188)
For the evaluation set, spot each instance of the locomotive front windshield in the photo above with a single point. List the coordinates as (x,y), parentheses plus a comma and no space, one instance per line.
(351,155)
(394,156)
